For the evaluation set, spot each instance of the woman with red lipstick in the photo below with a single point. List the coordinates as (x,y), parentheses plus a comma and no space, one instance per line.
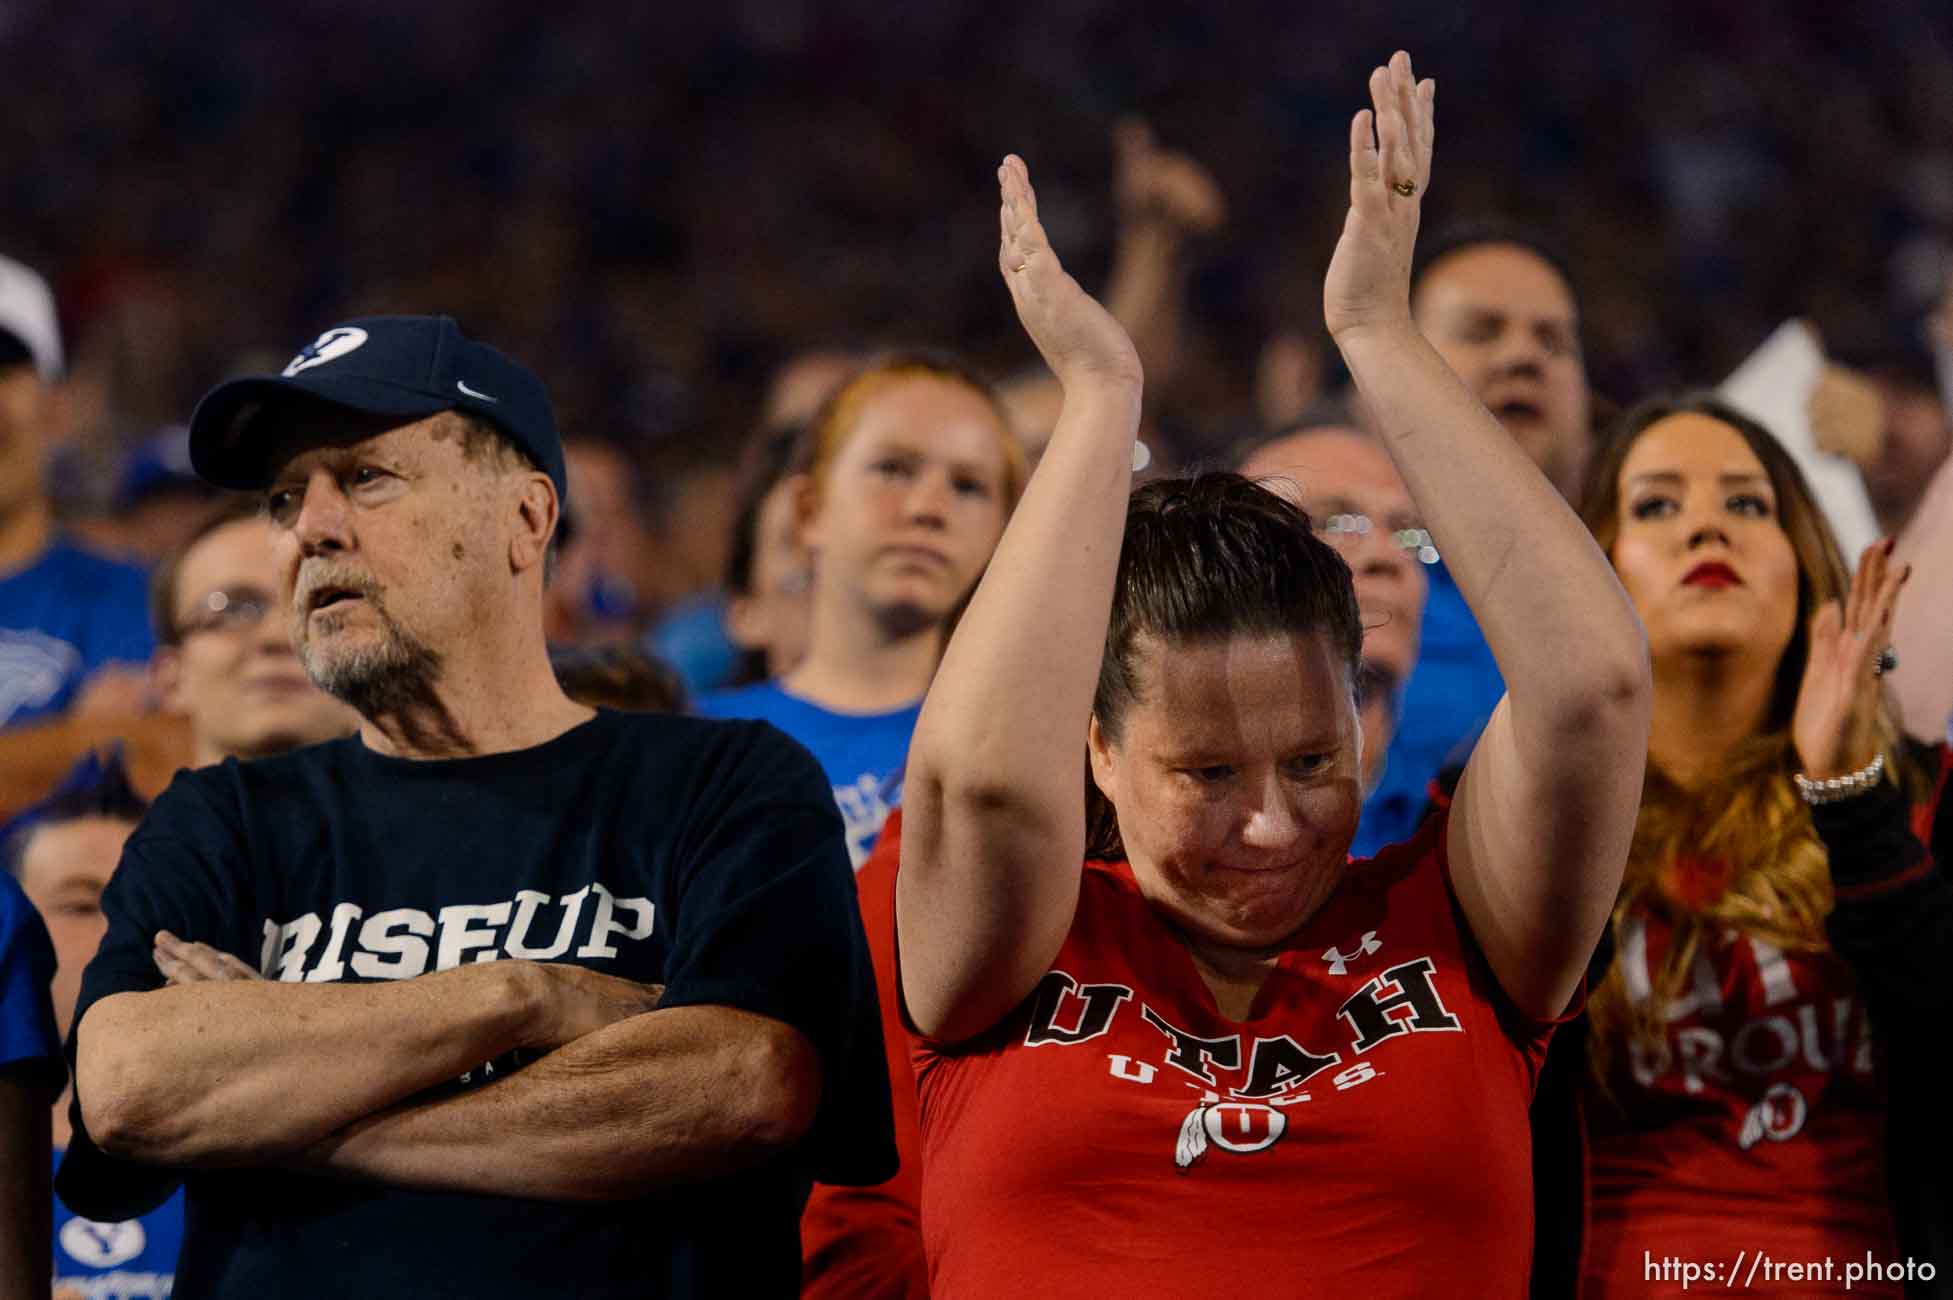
(1732,1100)
(1218,1058)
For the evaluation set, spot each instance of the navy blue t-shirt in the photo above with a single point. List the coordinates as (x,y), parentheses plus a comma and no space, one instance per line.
(863,754)
(703,856)
(62,617)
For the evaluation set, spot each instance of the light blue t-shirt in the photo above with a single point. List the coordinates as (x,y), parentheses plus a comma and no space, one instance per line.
(1449,698)
(62,617)
(691,637)
(863,754)
(131,1260)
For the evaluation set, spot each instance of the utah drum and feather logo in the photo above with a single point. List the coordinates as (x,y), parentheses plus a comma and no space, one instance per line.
(1240,1127)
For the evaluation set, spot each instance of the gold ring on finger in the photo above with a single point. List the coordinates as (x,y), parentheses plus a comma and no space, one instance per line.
(1405,188)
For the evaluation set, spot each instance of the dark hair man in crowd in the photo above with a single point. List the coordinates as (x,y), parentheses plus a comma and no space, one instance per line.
(1499,307)
(62,851)
(72,629)
(515,997)
(224,656)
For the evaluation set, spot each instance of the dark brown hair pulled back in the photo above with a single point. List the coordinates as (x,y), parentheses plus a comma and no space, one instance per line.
(1203,559)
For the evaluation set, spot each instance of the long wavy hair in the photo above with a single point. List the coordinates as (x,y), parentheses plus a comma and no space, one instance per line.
(1739,852)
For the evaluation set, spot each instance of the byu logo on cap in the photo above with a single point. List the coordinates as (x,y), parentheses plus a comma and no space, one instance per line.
(329,346)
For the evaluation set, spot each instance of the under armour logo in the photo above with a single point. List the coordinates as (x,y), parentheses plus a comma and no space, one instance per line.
(1338,960)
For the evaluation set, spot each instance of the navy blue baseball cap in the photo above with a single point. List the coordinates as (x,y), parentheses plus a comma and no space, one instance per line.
(405,366)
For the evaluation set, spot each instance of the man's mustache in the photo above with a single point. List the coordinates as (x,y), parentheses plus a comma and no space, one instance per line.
(331,577)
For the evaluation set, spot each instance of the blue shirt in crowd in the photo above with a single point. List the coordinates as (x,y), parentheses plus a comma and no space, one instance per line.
(1446,703)
(26,970)
(108,1261)
(863,754)
(131,1260)
(691,637)
(61,618)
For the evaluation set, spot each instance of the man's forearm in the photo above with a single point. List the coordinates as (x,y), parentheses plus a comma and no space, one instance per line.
(239,1072)
(661,1099)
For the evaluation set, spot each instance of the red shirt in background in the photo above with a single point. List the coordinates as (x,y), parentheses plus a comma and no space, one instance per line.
(1363,1133)
(865,1243)
(1756,1125)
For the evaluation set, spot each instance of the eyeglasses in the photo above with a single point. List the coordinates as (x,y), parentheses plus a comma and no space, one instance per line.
(1414,542)
(236,610)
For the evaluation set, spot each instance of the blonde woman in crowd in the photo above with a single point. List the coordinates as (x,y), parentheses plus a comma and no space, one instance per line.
(911,470)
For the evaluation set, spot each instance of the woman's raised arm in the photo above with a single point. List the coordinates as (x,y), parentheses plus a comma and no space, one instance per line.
(993,814)
(1540,828)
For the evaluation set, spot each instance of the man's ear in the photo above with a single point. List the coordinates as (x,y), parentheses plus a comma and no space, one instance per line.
(166,678)
(537,513)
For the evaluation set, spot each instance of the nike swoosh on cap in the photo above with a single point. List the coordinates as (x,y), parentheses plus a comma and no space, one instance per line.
(466,391)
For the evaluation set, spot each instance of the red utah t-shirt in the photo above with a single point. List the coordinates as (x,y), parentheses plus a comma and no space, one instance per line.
(858,1242)
(1754,1127)
(1364,1132)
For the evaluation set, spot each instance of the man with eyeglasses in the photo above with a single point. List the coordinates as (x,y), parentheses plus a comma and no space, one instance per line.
(1358,502)
(224,656)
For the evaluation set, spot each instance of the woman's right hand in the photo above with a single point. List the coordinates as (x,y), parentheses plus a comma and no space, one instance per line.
(1081,342)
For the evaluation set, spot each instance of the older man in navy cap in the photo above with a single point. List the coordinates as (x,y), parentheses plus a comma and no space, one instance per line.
(500,996)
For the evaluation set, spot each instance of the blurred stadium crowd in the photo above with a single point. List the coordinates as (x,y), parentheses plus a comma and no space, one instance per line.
(656,204)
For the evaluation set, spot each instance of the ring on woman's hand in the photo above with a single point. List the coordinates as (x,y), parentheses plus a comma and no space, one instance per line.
(1887,660)
(1405,188)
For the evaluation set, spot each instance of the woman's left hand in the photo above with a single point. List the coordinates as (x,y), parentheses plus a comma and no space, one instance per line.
(1835,724)
(1368,281)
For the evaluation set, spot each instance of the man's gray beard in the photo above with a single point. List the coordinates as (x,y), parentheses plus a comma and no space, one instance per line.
(395,677)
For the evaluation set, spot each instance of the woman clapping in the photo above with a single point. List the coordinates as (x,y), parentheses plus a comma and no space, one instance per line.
(1225,1057)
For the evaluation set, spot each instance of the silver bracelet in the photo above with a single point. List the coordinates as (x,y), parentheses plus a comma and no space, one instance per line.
(1832,789)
